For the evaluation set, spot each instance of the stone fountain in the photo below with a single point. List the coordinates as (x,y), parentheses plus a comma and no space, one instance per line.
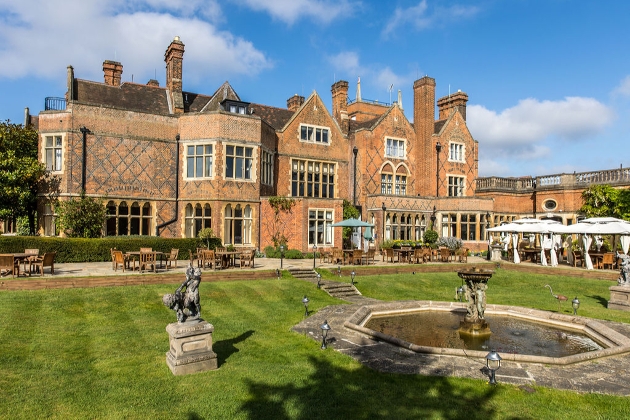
(475,290)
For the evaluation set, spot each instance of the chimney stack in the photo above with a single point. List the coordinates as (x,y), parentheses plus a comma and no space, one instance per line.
(449,104)
(112,71)
(174,57)
(340,104)
(295,102)
(424,125)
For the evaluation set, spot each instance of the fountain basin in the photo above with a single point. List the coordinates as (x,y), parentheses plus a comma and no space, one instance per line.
(613,342)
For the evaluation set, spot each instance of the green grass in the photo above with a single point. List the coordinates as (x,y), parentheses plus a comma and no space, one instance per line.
(100,353)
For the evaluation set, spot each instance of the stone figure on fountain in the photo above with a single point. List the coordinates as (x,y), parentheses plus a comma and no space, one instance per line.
(185,300)
(624,274)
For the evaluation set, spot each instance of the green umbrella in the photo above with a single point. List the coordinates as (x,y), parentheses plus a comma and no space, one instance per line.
(368,233)
(351,223)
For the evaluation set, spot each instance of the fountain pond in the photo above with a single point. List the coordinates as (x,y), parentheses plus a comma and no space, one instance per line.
(434,328)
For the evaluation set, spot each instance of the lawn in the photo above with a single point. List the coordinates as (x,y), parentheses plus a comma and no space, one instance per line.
(100,353)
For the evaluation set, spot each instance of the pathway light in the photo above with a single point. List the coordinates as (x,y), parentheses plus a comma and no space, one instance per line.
(493,362)
(576,304)
(325,328)
(305,302)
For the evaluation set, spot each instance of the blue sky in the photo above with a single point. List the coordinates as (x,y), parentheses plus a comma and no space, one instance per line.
(548,80)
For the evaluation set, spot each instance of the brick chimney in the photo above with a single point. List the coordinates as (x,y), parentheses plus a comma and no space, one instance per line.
(340,104)
(112,71)
(424,123)
(449,104)
(295,102)
(174,57)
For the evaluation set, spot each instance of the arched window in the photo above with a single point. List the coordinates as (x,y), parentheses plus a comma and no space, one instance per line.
(123,220)
(387,179)
(400,186)
(197,218)
(237,229)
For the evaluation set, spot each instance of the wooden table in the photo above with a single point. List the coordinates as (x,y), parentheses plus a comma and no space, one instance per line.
(136,255)
(21,258)
(532,254)
(227,257)
(403,254)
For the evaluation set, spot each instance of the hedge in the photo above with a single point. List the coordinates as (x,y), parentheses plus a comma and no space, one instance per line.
(96,250)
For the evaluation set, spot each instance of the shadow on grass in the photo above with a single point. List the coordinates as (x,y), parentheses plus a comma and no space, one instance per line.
(225,348)
(601,300)
(334,392)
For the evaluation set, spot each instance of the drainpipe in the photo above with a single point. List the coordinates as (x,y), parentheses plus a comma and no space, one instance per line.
(173,220)
(354,185)
(85,132)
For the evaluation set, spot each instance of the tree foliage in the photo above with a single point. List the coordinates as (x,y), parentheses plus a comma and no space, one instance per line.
(605,201)
(82,218)
(349,212)
(21,174)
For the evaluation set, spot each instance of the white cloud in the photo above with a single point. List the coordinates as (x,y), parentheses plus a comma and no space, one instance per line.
(532,121)
(623,89)
(422,16)
(290,11)
(532,131)
(346,62)
(43,37)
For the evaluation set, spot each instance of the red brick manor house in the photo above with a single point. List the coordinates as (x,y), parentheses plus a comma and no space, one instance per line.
(169,162)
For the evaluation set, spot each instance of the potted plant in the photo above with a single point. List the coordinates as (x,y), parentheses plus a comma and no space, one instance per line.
(206,234)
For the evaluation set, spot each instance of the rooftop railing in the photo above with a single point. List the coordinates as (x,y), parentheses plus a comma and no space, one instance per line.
(619,176)
(54,104)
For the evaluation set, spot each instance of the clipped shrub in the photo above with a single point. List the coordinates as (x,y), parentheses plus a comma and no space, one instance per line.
(294,254)
(430,237)
(450,242)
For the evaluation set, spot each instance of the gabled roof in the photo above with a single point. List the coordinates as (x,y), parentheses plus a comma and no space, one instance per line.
(130,96)
(225,91)
(277,118)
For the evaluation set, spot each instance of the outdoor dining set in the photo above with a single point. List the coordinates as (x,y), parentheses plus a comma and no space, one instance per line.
(30,261)
(222,258)
(146,259)
(407,255)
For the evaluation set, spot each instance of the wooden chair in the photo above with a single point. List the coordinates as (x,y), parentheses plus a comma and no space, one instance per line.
(577,256)
(247,258)
(33,253)
(462,255)
(390,255)
(426,254)
(418,256)
(47,260)
(118,258)
(337,256)
(172,257)
(146,249)
(147,259)
(369,255)
(445,254)
(194,257)
(608,259)
(357,256)
(8,264)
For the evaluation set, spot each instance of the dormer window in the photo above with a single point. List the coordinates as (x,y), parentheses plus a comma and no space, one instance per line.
(235,107)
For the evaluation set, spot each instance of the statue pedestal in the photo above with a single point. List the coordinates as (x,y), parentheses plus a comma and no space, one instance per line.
(496,252)
(619,298)
(475,328)
(190,347)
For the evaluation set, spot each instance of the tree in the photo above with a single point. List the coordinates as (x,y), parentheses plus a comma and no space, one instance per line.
(82,218)
(349,212)
(601,201)
(21,174)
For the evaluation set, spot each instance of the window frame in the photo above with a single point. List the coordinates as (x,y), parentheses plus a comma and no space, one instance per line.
(451,186)
(234,157)
(326,221)
(456,152)
(206,174)
(399,150)
(313,183)
(195,221)
(232,222)
(57,152)
(266,167)
(312,138)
